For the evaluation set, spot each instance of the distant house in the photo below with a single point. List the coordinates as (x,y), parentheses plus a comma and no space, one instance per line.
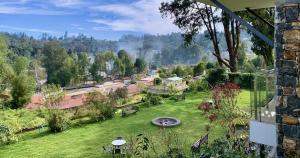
(168,85)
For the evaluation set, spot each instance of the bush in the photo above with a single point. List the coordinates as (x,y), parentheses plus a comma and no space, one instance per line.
(244,80)
(157,81)
(217,76)
(100,111)
(7,135)
(210,65)
(199,85)
(198,69)
(57,121)
(151,100)
(23,119)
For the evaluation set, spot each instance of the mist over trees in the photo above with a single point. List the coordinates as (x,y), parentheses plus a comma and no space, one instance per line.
(157,50)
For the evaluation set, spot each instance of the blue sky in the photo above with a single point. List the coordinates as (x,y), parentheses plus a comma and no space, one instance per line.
(102,19)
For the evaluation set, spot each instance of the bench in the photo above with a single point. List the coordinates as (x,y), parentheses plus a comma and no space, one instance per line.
(197,145)
(128,111)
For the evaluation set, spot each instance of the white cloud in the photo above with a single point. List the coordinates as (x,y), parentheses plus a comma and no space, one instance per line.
(142,16)
(8,9)
(27,29)
(67,3)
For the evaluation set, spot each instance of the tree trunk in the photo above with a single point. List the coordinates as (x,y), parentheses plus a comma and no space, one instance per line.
(232,37)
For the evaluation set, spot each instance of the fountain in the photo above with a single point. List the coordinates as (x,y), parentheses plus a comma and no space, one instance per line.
(166,121)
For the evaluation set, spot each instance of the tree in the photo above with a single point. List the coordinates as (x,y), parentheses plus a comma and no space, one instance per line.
(126,61)
(21,65)
(83,64)
(242,55)
(53,61)
(259,47)
(6,70)
(179,71)
(190,16)
(23,87)
(68,73)
(140,65)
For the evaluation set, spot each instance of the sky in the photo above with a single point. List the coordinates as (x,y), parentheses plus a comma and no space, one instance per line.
(102,19)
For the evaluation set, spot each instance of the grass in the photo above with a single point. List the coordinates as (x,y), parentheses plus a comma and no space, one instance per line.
(87,140)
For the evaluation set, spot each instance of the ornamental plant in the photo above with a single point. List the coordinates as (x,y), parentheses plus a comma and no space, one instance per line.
(227,113)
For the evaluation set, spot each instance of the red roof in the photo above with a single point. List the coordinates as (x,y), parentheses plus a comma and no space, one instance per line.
(133,89)
(68,102)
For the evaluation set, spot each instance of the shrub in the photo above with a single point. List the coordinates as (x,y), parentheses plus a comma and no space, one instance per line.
(57,121)
(101,107)
(217,76)
(100,111)
(205,106)
(203,85)
(151,100)
(22,119)
(157,81)
(198,69)
(7,135)
(244,80)
(210,65)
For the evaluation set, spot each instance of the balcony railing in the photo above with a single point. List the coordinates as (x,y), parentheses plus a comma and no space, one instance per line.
(262,97)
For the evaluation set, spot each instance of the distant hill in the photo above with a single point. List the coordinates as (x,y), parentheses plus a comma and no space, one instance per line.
(157,49)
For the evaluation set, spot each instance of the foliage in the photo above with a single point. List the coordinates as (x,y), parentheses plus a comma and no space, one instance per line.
(181,71)
(191,15)
(209,65)
(58,121)
(205,106)
(227,112)
(83,63)
(53,95)
(244,80)
(54,58)
(199,69)
(6,71)
(152,100)
(140,145)
(173,144)
(164,73)
(7,136)
(157,81)
(140,65)
(100,106)
(121,93)
(217,76)
(259,47)
(127,62)
(21,65)
(226,148)
(23,87)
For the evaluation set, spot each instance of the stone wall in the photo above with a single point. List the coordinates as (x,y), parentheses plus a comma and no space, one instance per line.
(287,46)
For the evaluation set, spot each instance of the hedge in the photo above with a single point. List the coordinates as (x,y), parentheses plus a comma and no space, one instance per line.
(244,80)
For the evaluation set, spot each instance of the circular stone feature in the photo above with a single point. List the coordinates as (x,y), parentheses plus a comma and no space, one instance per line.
(166,121)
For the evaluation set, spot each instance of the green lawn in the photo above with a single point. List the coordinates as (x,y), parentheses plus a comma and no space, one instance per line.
(87,140)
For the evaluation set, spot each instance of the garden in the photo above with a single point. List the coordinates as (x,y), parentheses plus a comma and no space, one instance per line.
(86,140)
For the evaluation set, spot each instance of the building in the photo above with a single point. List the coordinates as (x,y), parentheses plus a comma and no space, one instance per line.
(175,84)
